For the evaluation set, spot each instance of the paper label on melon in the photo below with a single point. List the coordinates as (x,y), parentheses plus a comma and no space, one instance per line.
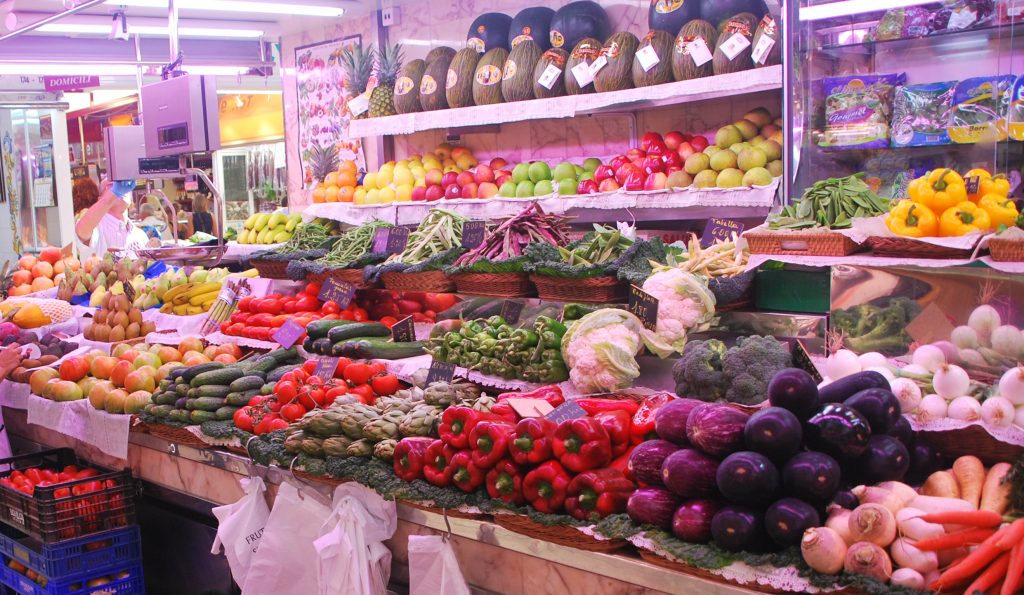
(761,50)
(510,70)
(668,6)
(403,85)
(612,50)
(598,64)
(488,74)
(557,39)
(453,78)
(734,45)
(582,73)
(428,85)
(648,58)
(699,51)
(476,43)
(549,76)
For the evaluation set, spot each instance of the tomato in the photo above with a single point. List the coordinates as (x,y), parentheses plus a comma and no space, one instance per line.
(418,317)
(359,315)
(269,306)
(244,304)
(262,319)
(307,303)
(363,392)
(334,393)
(319,396)
(88,472)
(438,302)
(72,469)
(262,427)
(274,405)
(305,399)
(243,419)
(301,375)
(259,400)
(286,391)
(385,309)
(345,315)
(240,317)
(329,317)
(277,424)
(279,320)
(409,306)
(87,487)
(388,321)
(234,330)
(377,367)
(34,475)
(49,475)
(314,380)
(288,305)
(330,307)
(292,411)
(312,289)
(267,334)
(343,362)
(358,373)
(62,493)
(309,365)
(386,384)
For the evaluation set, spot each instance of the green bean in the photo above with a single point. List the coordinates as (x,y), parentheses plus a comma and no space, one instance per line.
(831,203)
(353,244)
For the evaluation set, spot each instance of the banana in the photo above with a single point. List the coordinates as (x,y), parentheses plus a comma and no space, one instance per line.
(199,299)
(261,221)
(293,222)
(180,310)
(193,310)
(251,221)
(201,288)
(250,273)
(174,292)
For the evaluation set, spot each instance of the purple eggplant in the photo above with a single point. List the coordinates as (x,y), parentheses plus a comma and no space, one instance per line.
(670,420)
(747,478)
(925,459)
(795,390)
(646,460)
(786,520)
(845,499)
(886,459)
(692,520)
(736,528)
(716,429)
(846,387)
(903,432)
(879,406)
(774,432)
(652,506)
(811,476)
(690,473)
(839,431)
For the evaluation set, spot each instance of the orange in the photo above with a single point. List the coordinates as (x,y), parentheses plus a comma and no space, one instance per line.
(331,179)
(347,166)
(319,194)
(347,178)
(21,277)
(331,195)
(346,194)
(41,284)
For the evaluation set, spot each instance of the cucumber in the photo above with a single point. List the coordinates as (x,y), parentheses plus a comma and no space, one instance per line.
(164,384)
(239,399)
(268,388)
(246,383)
(223,376)
(381,349)
(307,345)
(161,411)
(181,390)
(318,329)
(225,413)
(181,402)
(218,391)
(357,330)
(279,372)
(321,346)
(206,403)
(198,416)
(165,398)
(175,372)
(193,371)
(179,415)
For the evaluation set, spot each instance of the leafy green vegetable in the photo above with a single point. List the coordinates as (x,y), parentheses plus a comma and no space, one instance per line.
(831,203)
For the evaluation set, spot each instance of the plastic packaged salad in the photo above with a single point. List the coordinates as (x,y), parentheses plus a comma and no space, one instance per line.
(979,110)
(1015,116)
(920,114)
(858,110)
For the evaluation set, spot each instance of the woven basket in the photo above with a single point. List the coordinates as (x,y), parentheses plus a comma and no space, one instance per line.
(800,243)
(560,534)
(595,289)
(270,269)
(432,281)
(352,276)
(473,516)
(321,479)
(973,440)
(179,436)
(495,284)
(1006,250)
(909,247)
(657,560)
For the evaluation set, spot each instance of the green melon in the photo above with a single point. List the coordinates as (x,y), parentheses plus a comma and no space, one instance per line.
(487,79)
(618,51)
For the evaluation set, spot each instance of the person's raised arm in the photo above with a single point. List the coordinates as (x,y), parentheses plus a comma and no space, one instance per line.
(92,216)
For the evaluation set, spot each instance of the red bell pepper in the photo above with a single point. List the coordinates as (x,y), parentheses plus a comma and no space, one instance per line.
(596,494)
(458,422)
(488,442)
(595,406)
(622,462)
(437,468)
(465,475)
(505,482)
(505,412)
(582,444)
(410,457)
(643,419)
(545,487)
(531,442)
(618,425)
(552,394)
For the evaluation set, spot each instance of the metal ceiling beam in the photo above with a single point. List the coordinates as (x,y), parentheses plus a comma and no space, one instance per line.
(50,19)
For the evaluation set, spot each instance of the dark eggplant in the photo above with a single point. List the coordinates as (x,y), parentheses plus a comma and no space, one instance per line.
(736,528)
(786,520)
(879,406)
(812,476)
(180,403)
(795,390)
(692,520)
(690,473)
(839,431)
(646,460)
(747,477)
(925,459)
(774,432)
(716,429)
(653,506)
(886,459)
(903,432)
(845,499)
(670,420)
(846,387)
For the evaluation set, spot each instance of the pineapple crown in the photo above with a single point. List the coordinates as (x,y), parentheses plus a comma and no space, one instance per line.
(358,65)
(323,160)
(389,63)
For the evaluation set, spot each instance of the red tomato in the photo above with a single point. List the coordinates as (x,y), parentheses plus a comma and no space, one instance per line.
(313,289)
(274,405)
(261,319)
(262,427)
(305,400)
(409,306)
(301,375)
(240,317)
(388,321)
(244,304)
(243,419)
(267,334)
(330,307)
(319,397)
(303,321)
(359,315)
(346,315)
(88,472)
(386,309)
(329,317)
(334,393)
(377,367)
(259,400)
(87,487)
(235,329)
(279,320)
(419,317)
(439,302)
(62,493)
(358,373)
(288,376)
(307,303)
(309,365)
(49,475)
(314,380)
(343,362)
(224,326)
(292,411)
(34,475)
(386,384)
(288,305)
(286,391)
(269,306)
(72,469)
(363,392)
(277,424)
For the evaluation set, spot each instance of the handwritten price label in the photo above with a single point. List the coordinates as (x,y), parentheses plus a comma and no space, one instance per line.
(510,311)
(289,333)
(338,291)
(397,240)
(565,411)
(403,331)
(380,240)
(644,306)
(440,372)
(719,229)
(473,233)
(325,368)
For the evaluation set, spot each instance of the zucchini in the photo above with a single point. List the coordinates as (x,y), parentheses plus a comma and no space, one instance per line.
(225,413)
(318,329)
(357,330)
(161,411)
(193,371)
(206,403)
(381,349)
(199,416)
(246,383)
(239,399)
(179,415)
(268,388)
(165,398)
(321,346)
(223,376)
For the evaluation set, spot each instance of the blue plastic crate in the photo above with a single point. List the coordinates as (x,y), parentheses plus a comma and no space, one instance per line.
(132,584)
(75,557)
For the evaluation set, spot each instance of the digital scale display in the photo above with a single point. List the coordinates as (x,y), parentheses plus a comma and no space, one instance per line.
(175,135)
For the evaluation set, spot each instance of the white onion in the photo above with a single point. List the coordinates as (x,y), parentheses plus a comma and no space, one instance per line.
(907,392)
(909,578)
(952,352)
(932,407)
(984,320)
(914,369)
(964,337)
(929,357)
(872,359)
(842,363)
(1011,385)
(1018,419)
(997,412)
(964,408)
(971,357)
(951,381)
(883,370)
(1007,341)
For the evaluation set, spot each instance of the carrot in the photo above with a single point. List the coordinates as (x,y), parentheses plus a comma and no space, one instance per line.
(995,495)
(970,475)
(954,540)
(971,518)
(1015,572)
(1013,535)
(991,575)
(941,484)
(971,565)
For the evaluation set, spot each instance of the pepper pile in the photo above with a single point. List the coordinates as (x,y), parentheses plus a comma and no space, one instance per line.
(944,203)
(494,347)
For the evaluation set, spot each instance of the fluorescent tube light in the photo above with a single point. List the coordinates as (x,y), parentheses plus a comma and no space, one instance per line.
(310,10)
(89,29)
(847,8)
(40,69)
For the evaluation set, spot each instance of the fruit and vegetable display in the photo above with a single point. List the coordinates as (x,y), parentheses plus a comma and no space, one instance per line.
(938,204)
(503,248)
(40,273)
(36,313)
(118,320)
(97,276)
(269,228)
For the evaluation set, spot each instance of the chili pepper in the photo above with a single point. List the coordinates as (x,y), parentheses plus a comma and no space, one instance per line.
(470,359)
(437,469)
(486,346)
(987,184)
(576,311)
(963,219)
(505,482)
(504,332)
(465,475)
(544,487)
(552,394)
(550,331)
(531,441)
(1001,210)
(458,422)
(488,442)
(410,457)
(643,419)
(595,406)
(581,444)
(496,322)
(596,494)
(618,425)
(939,190)
(471,329)
(913,220)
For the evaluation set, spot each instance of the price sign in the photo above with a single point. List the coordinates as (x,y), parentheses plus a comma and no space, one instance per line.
(973,183)
(403,331)
(397,240)
(510,311)
(440,372)
(289,333)
(129,292)
(565,411)
(549,76)
(582,73)
(530,407)
(644,306)
(325,367)
(734,45)
(473,233)
(802,360)
(597,65)
(338,291)
(719,229)
(760,52)
(648,58)
(359,104)
(699,52)
(380,240)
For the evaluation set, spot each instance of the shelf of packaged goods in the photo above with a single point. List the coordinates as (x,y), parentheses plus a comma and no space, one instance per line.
(954,39)
(669,94)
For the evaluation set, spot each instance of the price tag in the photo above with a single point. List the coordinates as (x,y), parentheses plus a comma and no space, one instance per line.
(129,291)
(530,407)
(359,104)
(473,233)
(719,229)
(549,76)
(403,331)
(930,325)
(325,367)
(583,75)
(699,52)
(566,411)
(510,311)
(644,306)
(397,240)
(289,333)
(440,372)
(760,51)
(802,360)
(597,65)
(973,183)
(380,240)
(734,45)
(338,291)
(648,58)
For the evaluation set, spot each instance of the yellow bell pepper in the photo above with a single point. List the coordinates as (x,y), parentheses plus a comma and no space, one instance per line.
(912,220)
(963,219)
(939,190)
(987,184)
(1001,210)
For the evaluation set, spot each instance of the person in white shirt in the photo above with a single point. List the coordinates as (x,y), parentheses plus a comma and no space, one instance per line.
(105,225)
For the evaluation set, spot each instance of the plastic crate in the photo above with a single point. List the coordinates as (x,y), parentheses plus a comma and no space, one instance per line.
(51,519)
(75,557)
(133,583)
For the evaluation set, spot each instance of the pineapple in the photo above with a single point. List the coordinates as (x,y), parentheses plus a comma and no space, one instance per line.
(382,99)
(358,65)
(323,161)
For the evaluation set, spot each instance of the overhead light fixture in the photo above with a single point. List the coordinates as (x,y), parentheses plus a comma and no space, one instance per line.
(92,29)
(306,10)
(119,26)
(847,8)
(36,68)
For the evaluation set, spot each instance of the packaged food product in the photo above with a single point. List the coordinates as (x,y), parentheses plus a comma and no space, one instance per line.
(1009,12)
(920,114)
(858,110)
(1015,114)
(902,23)
(962,14)
(979,109)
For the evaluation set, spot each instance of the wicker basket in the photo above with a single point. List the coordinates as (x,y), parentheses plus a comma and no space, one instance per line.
(179,436)
(595,289)
(432,281)
(1006,250)
(473,516)
(321,479)
(973,440)
(270,269)
(657,560)
(495,284)
(352,276)
(911,248)
(822,242)
(560,534)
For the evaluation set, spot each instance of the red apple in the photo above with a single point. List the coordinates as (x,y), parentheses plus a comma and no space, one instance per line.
(483,174)
(470,190)
(630,177)
(501,178)
(655,181)
(699,143)
(671,170)
(498,163)
(674,139)
(650,139)
(587,187)
(609,185)
(685,150)
(433,177)
(633,155)
(419,193)
(453,191)
(652,164)
(604,172)
(449,179)
(434,192)
(464,178)
(671,159)
(617,161)
(487,190)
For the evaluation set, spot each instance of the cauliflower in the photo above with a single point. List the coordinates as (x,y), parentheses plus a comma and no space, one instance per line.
(600,350)
(684,304)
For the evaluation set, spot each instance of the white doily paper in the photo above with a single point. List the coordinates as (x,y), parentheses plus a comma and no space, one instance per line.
(14,394)
(106,431)
(218,338)
(1010,435)
(1006,267)
(866,227)
(236,251)
(183,325)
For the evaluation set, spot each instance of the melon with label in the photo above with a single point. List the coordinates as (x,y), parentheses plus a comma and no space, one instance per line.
(432,84)
(576,21)
(517,74)
(670,15)
(695,43)
(653,66)
(767,36)
(552,61)
(618,53)
(532,23)
(735,35)
(487,78)
(585,52)
(459,80)
(489,31)
(407,87)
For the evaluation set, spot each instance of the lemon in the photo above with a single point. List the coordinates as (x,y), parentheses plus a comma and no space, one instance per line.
(403,193)
(385,177)
(403,177)
(370,180)
(373,196)
(359,197)
(387,194)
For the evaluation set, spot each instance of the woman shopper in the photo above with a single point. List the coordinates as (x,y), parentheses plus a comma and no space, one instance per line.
(105,224)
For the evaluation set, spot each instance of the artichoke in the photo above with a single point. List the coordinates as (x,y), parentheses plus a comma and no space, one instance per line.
(440,394)
(293,443)
(360,448)
(384,427)
(466,391)
(484,404)
(335,446)
(422,420)
(386,404)
(385,450)
(313,446)
(327,424)
(358,416)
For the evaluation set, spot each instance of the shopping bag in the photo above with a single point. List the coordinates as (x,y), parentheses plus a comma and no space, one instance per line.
(286,554)
(352,557)
(240,527)
(433,567)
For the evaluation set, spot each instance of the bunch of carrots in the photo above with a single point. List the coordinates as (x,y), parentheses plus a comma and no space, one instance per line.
(996,565)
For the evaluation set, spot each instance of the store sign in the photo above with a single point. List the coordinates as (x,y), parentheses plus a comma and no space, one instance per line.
(288,334)
(325,368)
(338,291)
(70,83)
(440,372)
(473,233)
(403,331)
(510,311)
(644,306)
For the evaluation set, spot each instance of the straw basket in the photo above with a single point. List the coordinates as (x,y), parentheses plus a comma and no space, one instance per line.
(432,281)
(800,243)
(911,248)
(1006,250)
(351,276)
(973,440)
(270,269)
(595,289)
(179,436)
(494,284)
(560,534)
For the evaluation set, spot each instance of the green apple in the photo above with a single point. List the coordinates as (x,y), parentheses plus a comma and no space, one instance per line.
(507,190)
(591,163)
(730,178)
(587,175)
(728,136)
(696,163)
(757,176)
(705,179)
(751,158)
(524,189)
(563,171)
(566,187)
(521,173)
(539,171)
(543,188)
(723,160)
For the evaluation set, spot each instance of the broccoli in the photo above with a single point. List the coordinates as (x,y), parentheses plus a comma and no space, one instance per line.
(750,366)
(871,328)
(698,373)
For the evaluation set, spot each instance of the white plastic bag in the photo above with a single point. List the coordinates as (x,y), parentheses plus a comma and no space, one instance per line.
(433,567)
(240,527)
(352,557)
(286,554)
